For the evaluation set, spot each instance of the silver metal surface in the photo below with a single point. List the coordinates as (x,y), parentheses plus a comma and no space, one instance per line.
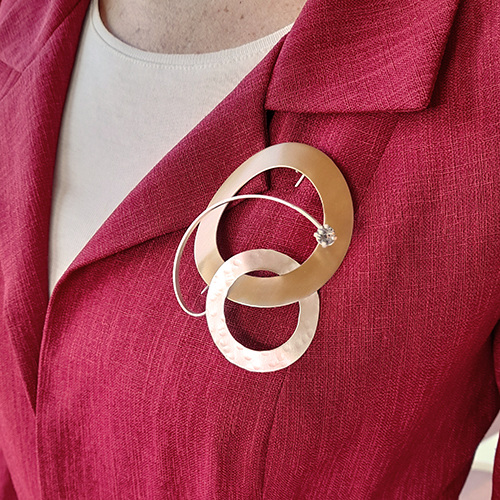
(251,360)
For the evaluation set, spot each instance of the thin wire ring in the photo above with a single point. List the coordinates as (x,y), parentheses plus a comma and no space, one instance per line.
(194,224)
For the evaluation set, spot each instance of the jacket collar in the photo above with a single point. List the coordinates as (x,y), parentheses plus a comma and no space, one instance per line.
(339,57)
(362,56)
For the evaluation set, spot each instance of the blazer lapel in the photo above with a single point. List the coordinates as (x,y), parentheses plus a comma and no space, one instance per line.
(38,66)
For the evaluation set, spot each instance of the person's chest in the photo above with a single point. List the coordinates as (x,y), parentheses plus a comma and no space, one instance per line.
(403,325)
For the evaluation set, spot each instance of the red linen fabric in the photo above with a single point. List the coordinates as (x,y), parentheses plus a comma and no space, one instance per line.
(109,390)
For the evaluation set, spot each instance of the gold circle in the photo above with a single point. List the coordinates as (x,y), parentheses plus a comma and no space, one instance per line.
(321,264)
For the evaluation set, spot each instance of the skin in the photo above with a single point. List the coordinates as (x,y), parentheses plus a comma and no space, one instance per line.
(195,26)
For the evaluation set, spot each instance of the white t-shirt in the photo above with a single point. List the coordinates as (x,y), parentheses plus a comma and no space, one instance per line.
(125,109)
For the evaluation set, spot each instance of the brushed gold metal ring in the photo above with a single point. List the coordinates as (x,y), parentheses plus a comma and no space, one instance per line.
(321,264)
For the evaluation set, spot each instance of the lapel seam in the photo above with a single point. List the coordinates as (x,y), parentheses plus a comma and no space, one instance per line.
(41,50)
(21,71)
(324,79)
(375,170)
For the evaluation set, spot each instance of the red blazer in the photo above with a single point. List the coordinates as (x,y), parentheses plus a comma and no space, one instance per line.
(110,391)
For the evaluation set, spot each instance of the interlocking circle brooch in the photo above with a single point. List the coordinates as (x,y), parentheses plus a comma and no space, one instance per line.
(294,282)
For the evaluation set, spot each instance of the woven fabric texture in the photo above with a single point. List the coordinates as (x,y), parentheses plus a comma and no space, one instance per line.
(109,390)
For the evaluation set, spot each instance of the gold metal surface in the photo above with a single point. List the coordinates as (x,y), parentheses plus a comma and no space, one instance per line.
(321,264)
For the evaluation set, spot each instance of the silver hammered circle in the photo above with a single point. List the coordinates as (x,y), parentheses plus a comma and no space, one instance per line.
(248,359)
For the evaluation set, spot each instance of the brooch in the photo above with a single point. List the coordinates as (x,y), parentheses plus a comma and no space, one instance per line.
(294,282)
